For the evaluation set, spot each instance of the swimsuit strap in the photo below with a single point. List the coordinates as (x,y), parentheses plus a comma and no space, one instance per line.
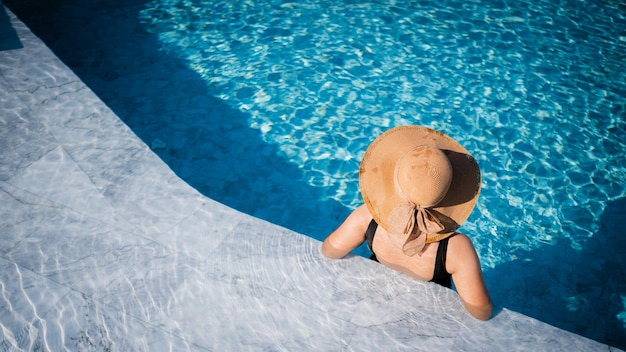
(441,275)
(369,237)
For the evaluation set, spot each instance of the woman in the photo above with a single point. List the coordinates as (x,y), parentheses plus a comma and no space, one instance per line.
(419,186)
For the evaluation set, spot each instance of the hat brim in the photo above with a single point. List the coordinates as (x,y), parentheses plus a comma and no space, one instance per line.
(377,182)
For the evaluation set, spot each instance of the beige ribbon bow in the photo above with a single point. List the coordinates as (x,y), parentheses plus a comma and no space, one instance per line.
(411,224)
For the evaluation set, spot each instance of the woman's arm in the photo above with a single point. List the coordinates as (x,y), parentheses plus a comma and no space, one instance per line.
(464,265)
(349,235)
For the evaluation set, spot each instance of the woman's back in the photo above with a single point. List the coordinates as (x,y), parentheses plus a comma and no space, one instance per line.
(461,259)
(421,267)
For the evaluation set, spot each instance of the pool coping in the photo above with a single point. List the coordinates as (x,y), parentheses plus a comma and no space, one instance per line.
(71,166)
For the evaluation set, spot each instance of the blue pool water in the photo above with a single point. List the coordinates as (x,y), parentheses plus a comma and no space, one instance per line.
(269,106)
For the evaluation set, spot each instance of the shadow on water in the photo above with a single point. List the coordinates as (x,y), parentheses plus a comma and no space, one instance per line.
(594,291)
(8,37)
(207,143)
(220,142)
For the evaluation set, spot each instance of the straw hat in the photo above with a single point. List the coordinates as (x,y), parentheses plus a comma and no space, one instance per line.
(419,184)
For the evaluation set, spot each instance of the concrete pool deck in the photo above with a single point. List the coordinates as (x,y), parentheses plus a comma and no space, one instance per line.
(103,247)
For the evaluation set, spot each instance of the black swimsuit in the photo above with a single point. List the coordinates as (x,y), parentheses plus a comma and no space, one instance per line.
(441,275)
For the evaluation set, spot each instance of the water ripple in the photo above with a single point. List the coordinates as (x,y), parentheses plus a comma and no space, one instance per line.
(534,91)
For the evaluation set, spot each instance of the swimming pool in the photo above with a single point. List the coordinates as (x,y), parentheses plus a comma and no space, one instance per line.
(269,106)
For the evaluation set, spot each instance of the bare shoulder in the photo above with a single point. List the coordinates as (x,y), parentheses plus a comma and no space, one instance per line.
(461,252)
(358,220)
(461,239)
(362,214)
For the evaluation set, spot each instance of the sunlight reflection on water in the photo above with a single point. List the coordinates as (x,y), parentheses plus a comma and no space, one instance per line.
(534,112)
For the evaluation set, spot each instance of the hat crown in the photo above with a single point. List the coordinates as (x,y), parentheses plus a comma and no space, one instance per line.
(423,175)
